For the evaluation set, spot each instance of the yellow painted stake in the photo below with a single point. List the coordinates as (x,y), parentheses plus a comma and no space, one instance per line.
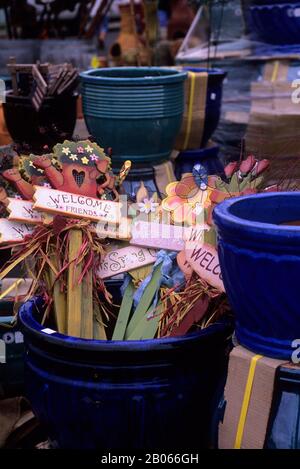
(74,289)
(87,306)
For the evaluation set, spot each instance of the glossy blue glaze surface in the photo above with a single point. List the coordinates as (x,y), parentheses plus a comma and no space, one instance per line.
(124,394)
(260,262)
(276,23)
(213,100)
(135,110)
(208,157)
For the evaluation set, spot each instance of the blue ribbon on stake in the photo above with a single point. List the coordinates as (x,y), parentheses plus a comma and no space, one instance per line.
(170,276)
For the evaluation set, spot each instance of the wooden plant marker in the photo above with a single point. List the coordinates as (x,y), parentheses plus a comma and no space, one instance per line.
(75,205)
(13,231)
(41,89)
(123,316)
(184,265)
(87,306)
(147,326)
(157,236)
(125,259)
(145,302)
(70,80)
(203,258)
(164,236)
(60,305)
(74,289)
(98,329)
(22,211)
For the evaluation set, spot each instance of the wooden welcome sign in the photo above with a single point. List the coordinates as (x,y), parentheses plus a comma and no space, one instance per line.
(122,260)
(13,231)
(75,205)
(164,236)
(204,259)
(22,210)
(157,235)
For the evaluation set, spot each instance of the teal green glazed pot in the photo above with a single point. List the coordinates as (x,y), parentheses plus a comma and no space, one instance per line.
(137,111)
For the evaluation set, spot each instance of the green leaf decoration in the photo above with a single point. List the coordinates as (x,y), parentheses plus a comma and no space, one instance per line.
(145,301)
(147,328)
(123,316)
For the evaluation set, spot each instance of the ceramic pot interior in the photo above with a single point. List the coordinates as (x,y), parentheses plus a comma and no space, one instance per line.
(276,209)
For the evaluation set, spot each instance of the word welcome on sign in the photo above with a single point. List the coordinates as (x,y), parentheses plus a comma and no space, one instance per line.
(164,236)
(13,231)
(75,205)
(122,260)
(204,259)
(22,210)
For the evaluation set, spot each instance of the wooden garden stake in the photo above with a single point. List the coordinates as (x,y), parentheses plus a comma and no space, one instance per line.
(147,327)
(74,288)
(59,298)
(145,302)
(123,316)
(98,328)
(87,306)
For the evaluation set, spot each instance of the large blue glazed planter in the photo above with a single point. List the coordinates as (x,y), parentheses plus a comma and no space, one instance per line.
(260,263)
(124,394)
(137,111)
(213,100)
(276,23)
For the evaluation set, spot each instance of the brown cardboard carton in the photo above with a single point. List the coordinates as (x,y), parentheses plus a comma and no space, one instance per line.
(191,132)
(255,428)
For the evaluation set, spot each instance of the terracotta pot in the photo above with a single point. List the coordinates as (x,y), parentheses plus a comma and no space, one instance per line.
(125,49)
(181,19)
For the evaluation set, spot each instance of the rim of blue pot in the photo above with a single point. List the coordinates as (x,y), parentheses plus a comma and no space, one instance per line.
(148,75)
(230,225)
(35,329)
(275,5)
(198,152)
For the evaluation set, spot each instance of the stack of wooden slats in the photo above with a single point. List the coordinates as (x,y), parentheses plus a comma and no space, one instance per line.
(45,80)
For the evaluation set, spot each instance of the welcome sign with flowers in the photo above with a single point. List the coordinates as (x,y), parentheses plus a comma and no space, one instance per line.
(73,228)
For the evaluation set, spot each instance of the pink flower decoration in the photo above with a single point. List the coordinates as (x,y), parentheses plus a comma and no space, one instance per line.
(94,157)
(80,149)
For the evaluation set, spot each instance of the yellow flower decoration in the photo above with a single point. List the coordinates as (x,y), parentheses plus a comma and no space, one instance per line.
(84,160)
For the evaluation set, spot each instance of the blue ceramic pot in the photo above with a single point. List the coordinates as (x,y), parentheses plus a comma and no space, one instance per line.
(135,110)
(277,23)
(208,157)
(124,394)
(11,353)
(260,263)
(213,100)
